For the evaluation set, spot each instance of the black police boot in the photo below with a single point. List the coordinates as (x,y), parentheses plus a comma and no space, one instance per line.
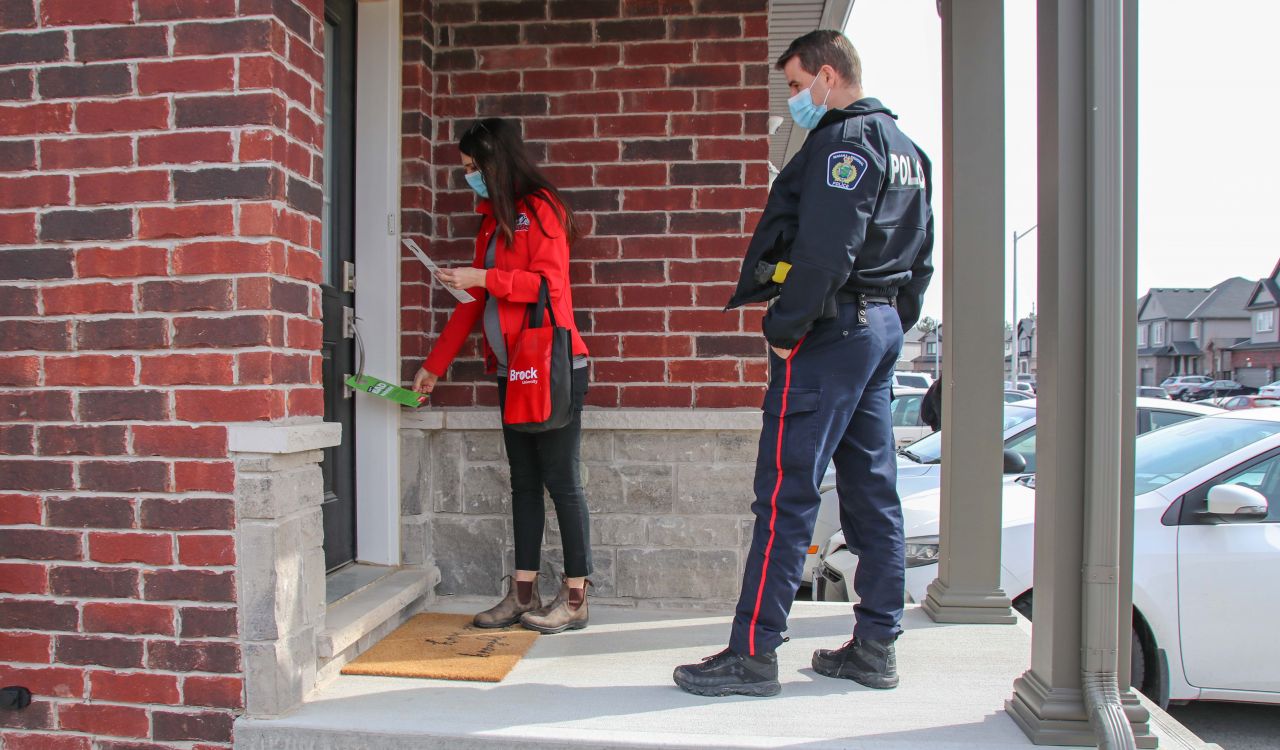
(727,673)
(866,662)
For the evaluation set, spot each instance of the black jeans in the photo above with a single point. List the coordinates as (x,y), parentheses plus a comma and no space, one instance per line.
(549,459)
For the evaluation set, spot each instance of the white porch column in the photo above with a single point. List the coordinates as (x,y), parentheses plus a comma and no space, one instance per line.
(1086,286)
(968,585)
(1128,380)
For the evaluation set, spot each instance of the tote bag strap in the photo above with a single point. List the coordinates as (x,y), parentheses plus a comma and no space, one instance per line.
(543,304)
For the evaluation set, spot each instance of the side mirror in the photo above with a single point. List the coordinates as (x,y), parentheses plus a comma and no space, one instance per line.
(1237,500)
(1014,462)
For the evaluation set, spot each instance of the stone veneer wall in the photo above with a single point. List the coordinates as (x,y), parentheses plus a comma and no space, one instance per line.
(669,493)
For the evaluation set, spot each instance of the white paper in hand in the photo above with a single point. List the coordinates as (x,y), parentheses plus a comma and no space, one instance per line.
(460,294)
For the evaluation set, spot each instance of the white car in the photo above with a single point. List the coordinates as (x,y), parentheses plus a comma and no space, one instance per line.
(921,380)
(920,464)
(907,429)
(907,425)
(1022,386)
(1206,552)
(1270,390)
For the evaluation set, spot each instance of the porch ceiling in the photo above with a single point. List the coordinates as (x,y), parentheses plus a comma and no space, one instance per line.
(789,19)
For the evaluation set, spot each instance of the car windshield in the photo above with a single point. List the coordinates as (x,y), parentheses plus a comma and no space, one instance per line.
(912,381)
(1165,455)
(928,449)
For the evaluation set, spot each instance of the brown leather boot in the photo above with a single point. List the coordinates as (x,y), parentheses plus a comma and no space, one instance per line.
(567,612)
(508,611)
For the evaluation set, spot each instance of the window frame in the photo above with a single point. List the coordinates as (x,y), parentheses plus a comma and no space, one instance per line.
(1183,511)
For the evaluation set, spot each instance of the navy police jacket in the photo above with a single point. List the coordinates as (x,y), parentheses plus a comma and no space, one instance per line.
(851,214)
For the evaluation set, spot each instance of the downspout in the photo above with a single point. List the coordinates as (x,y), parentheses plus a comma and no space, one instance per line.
(1100,590)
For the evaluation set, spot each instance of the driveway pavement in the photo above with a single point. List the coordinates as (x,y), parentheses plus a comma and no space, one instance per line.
(1234,726)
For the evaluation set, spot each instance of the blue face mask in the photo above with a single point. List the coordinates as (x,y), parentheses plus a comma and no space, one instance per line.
(476,181)
(804,111)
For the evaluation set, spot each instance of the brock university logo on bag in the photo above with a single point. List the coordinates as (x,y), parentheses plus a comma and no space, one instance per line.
(523,377)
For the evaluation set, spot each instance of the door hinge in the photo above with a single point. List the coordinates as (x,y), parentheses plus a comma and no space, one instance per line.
(391,224)
(348,322)
(348,276)
(347,390)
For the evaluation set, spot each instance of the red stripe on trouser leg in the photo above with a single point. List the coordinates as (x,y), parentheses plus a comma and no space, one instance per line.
(773,506)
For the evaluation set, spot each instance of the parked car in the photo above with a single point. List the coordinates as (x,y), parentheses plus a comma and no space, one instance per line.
(1235,403)
(1013,397)
(1270,389)
(1207,505)
(1176,384)
(907,429)
(1022,385)
(907,425)
(1215,389)
(1152,391)
(920,464)
(911,380)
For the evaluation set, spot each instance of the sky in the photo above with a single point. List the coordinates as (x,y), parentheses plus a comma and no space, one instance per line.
(1207,113)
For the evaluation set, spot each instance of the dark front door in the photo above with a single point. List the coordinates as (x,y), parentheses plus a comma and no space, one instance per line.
(338,287)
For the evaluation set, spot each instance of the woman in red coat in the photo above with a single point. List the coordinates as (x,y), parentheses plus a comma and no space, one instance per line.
(524,239)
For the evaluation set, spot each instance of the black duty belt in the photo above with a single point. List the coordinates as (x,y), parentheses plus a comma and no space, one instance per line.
(876,297)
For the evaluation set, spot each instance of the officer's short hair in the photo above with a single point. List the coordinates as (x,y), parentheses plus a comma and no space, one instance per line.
(825,47)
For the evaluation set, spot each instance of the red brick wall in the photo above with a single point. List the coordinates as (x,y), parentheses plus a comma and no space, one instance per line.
(159,169)
(1257,358)
(651,114)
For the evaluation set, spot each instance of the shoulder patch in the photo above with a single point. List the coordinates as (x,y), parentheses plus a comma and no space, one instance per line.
(522,222)
(845,169)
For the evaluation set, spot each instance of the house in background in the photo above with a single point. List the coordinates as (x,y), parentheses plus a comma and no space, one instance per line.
(929,358)
(912,349)
(1028,349)
(1256,361)
(1221,322)
(1193,331)
(1165,346)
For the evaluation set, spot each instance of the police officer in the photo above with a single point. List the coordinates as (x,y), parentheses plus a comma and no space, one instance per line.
(843,250)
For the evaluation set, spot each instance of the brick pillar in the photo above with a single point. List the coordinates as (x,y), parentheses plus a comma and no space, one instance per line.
(651,115)
(159,225)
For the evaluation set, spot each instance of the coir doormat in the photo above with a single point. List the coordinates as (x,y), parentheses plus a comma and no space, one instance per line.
(445,647)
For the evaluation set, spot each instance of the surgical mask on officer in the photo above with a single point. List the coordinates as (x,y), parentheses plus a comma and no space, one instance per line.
(804,111)
(476,181)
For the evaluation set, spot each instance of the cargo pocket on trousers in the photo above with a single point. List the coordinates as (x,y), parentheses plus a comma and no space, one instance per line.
(795,413)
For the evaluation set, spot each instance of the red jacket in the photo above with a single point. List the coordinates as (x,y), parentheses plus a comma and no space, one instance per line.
(515,279)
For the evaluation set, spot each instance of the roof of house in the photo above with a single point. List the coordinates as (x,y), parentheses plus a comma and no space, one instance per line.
(1173,304)
(1226,300)
(1226,343)
(1247,345)
(1175,349)
(1270,286)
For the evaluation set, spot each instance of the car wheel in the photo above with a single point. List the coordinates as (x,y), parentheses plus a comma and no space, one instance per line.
(1138,663)
(1137,651)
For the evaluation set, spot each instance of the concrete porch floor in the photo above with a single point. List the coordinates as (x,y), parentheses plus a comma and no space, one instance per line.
(610,687)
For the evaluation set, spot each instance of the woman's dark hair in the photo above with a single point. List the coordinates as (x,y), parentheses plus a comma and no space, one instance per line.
(496,147)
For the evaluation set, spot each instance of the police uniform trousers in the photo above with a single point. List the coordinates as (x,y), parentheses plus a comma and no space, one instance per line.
(830,401)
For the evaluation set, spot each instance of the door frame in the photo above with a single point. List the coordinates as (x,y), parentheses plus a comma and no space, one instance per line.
(377,215)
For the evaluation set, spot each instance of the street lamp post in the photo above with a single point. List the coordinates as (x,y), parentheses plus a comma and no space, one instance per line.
(1013,371)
